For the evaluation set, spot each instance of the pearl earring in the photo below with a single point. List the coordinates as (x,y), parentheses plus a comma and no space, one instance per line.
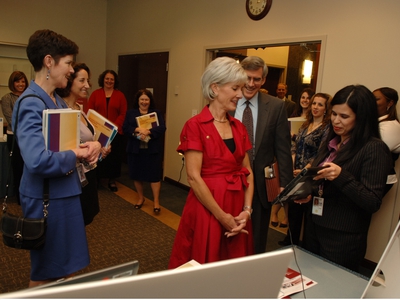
(48,74)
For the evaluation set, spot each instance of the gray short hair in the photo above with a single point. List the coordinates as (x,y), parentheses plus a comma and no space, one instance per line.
(253,63)
(221,71)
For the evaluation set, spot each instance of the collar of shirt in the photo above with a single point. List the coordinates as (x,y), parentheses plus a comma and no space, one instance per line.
(241,105)
(383,118)
(333,148)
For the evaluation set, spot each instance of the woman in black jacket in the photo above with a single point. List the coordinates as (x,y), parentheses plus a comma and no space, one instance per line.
(351,188)
(145,147)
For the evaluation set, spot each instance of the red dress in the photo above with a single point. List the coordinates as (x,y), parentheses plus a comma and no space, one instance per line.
(200,236)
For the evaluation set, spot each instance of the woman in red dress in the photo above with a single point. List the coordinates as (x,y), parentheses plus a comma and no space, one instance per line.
(215,223)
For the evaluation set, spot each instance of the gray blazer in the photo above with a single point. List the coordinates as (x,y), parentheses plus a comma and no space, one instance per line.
(272,140)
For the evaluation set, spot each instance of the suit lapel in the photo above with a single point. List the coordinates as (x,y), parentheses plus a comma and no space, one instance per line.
(262,120)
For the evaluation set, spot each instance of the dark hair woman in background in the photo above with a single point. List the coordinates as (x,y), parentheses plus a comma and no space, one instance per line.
(303,104)
(304,148)
(389,126)
(78,88)
(17,83)
(145,155)
(111,104)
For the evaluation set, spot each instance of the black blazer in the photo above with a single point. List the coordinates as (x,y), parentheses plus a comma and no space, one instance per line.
(155,144)
(351,198)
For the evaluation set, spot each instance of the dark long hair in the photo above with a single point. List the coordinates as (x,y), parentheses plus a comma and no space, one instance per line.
(298,111)
(146,92)
(363,103)
(390,95)
(103,75)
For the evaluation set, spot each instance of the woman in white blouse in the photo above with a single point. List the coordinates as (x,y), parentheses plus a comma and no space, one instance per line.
(389,126)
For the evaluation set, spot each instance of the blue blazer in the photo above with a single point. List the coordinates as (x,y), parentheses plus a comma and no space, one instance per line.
(39,163)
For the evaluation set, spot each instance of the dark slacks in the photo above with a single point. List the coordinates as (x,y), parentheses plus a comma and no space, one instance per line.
(344,248)
(260,219)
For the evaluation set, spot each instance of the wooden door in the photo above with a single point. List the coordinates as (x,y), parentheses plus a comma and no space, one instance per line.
(148,70)
(139,71)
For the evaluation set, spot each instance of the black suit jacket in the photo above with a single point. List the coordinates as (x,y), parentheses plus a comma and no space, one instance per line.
(290,106)
(352,198)
(272,140)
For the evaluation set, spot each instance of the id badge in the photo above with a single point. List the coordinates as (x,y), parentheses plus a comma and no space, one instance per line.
(318,206)
(81,174)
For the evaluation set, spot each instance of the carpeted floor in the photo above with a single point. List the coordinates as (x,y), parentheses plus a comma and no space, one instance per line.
(118,234)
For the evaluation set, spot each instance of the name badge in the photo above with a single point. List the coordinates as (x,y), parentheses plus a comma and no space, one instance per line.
(318,206)
(82,176)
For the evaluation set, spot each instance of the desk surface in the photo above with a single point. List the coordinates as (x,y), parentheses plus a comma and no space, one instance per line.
(333,281)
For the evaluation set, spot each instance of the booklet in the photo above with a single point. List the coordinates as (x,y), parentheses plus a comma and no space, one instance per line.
(105,130)
(294,282)
(148,121)
(61,129)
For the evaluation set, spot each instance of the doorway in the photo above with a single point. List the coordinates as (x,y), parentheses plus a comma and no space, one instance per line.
(284,60)
(147,70)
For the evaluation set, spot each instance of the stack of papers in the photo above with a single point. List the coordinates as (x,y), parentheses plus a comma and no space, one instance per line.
(294,282)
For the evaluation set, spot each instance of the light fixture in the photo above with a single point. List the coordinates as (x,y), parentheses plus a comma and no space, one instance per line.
(307,71)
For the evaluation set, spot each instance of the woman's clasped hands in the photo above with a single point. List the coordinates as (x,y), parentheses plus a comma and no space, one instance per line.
(236,225)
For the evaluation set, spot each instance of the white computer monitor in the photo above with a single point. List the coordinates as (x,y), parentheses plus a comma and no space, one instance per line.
(255,276)
(385,281)
(127,269)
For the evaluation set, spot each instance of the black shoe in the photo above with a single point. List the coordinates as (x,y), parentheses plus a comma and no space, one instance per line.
(157,210)
(274,224)
(139,206)
(112,186)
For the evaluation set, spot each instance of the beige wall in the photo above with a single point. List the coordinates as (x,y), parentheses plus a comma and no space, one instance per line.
(84,22)
(361,41)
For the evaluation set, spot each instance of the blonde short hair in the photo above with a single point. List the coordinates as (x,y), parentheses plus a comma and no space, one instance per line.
(221,71)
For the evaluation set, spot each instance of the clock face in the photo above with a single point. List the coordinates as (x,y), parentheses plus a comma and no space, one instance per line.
(258,9)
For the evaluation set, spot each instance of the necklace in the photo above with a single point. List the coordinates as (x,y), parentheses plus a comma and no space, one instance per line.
(74,106)
(311,128)
(221,121)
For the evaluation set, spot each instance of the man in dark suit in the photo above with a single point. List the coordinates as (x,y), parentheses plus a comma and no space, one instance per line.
(281,91)
(271,140)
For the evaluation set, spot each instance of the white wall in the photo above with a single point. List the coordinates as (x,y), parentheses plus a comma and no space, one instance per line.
(362,43)
(83,22)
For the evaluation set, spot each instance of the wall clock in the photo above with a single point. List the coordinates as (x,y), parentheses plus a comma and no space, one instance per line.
(258,9)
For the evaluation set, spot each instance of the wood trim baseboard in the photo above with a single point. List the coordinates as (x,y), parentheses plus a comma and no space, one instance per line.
(176,183)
